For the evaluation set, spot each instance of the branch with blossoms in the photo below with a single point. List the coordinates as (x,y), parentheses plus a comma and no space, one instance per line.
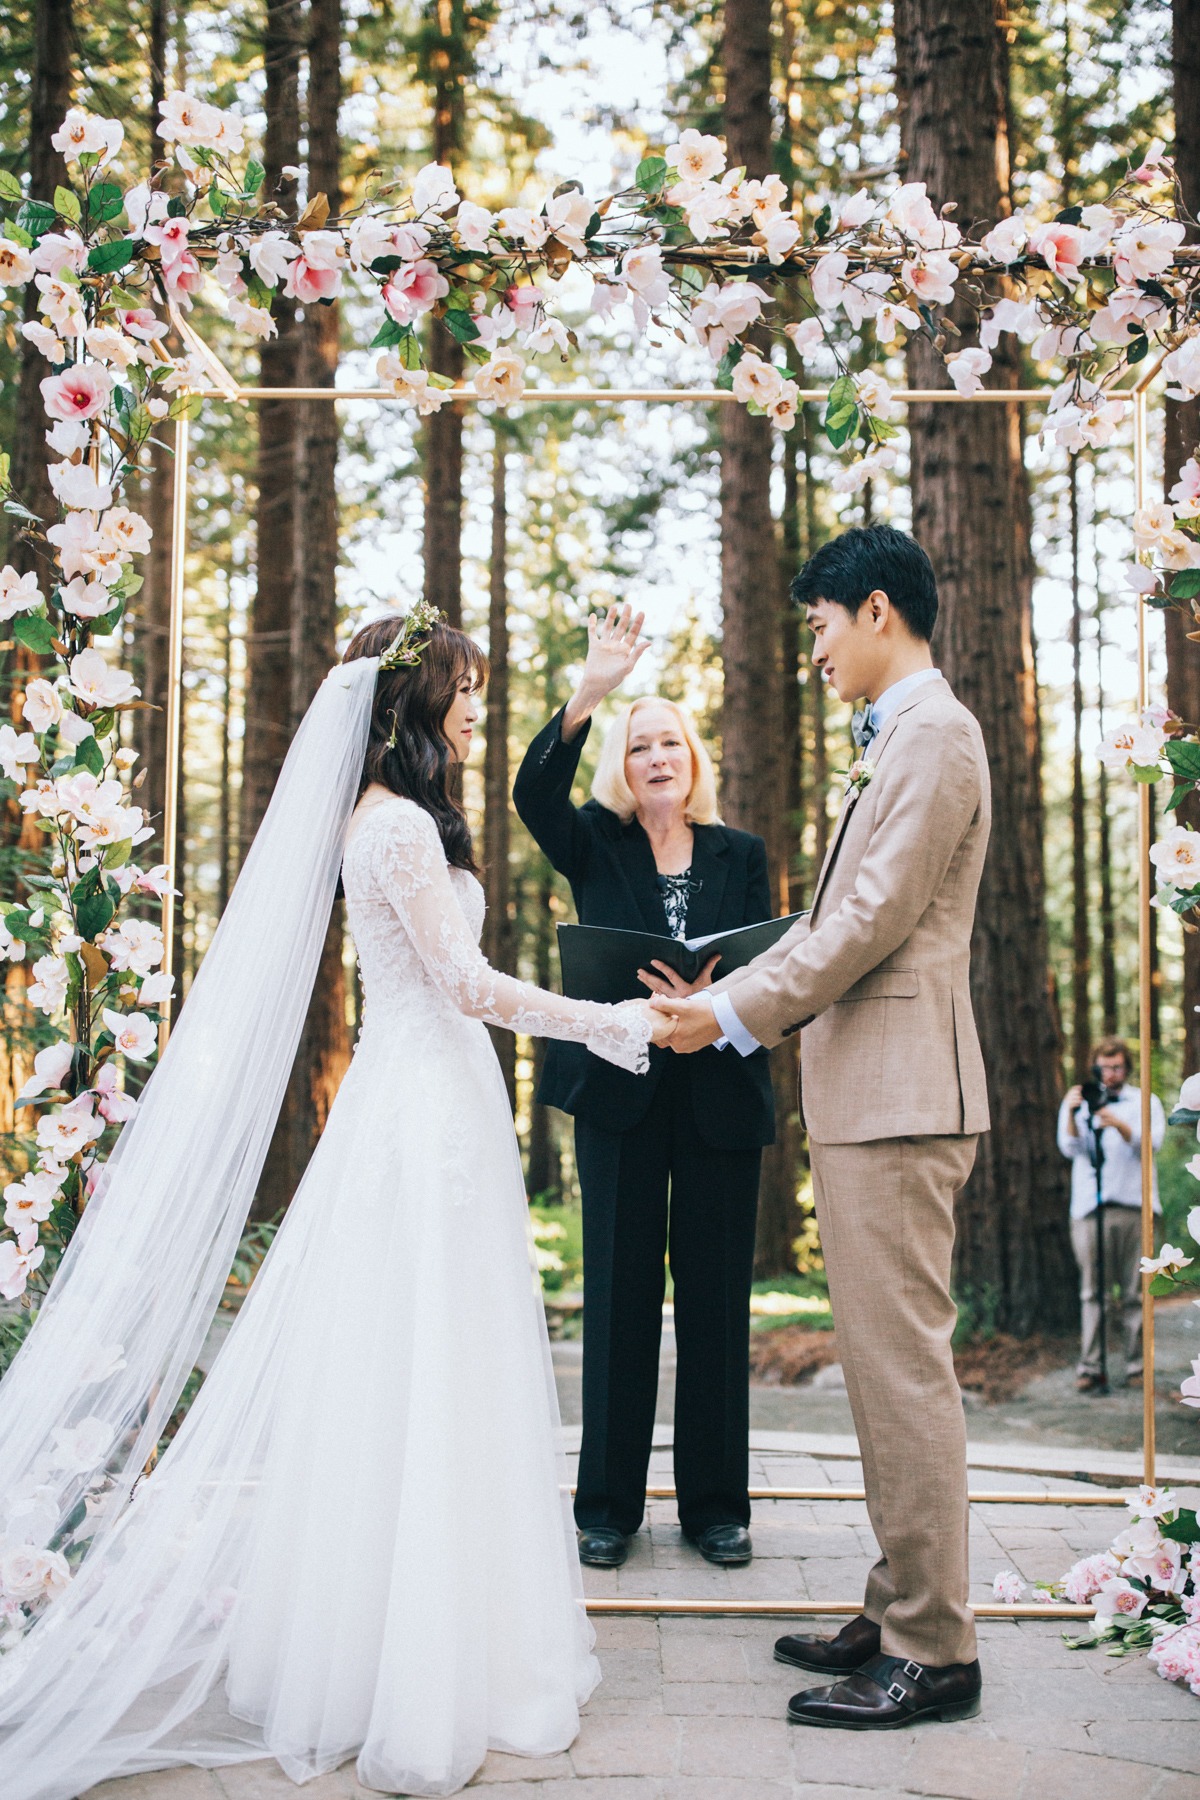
(693,248)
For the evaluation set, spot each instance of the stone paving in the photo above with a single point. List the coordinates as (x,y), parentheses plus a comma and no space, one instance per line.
(693,1708)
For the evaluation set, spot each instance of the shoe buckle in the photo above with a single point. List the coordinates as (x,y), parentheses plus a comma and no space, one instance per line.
(897,1693)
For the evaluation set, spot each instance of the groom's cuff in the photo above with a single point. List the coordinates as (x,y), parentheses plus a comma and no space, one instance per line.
(733,1031)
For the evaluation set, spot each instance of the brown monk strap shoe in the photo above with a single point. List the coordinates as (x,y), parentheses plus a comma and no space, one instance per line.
(889,1692)
(855,1644)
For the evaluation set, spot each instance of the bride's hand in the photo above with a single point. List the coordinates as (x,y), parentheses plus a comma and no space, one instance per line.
(614,651)
(657,1021)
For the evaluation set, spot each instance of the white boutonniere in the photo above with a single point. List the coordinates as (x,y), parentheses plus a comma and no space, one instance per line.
(858,775)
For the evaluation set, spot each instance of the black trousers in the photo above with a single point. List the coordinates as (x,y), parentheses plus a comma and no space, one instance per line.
(655,1190)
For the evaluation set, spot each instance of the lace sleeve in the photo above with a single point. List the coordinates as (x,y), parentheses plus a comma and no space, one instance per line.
(409,863)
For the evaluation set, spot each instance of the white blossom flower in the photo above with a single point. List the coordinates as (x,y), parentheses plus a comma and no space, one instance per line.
(522,226)
(183,119)
(73,728)
(50,1067)
(434,190)
(18,593)
(473,225)
(271,255)
(16,1266)
(112,1102)
(1137,746)
(75,485)
(911,212)
(156,990)
(502,378)
(1146,248)
(54,350)
(1182,368)
(890,318)
(82,134)
(807,335)
(642,271)
(135,944)
(696,157)
(126,531)
(28,1575)
(1168,1261)
(966,368)
(12,949)
(931,278)
(153,881)
(16,264)
(1118,1597)
(1006,241)
(17,749)
(81,1449)
(874,395)
(135,1034)
(1019,316)
(97,683)
(855,475)
(855,211)
(721,314)
(782,409)
(568,216)
(108,345)
(86,599)
(64,1133)
(782,235)
(756,380)
(69,435)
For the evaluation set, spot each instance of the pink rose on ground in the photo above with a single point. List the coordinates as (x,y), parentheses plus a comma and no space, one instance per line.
(1176,1656)
(80,392)
(1008,1587)
(413,289)
(1083,1581)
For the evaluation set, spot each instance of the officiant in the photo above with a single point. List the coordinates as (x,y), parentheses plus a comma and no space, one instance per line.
(668,1163)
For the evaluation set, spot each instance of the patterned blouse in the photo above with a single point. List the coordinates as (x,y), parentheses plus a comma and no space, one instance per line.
(676,891)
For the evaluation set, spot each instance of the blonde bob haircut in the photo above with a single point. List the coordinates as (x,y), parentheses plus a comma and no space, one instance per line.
(612,790)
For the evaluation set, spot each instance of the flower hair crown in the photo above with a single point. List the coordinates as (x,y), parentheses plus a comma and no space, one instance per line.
(404,651)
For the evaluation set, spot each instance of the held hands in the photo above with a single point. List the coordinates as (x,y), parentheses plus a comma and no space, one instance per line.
(662,1028)
(695,1023)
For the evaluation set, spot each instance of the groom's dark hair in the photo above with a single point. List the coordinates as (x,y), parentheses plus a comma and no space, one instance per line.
(848,568)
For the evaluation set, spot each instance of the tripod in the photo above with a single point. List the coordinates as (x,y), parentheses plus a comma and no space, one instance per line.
(1097,1154)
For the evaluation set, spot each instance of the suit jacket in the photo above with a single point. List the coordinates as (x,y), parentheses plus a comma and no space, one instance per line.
(613,880)
(878,977)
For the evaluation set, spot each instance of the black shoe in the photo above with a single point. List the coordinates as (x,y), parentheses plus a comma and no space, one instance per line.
(856,1643)
(888,1693)
(726,1545)
(602,1547)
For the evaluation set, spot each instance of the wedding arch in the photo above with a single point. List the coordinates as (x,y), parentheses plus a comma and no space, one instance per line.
(1096,291)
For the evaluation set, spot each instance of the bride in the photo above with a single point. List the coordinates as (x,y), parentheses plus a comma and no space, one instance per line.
(359,1543)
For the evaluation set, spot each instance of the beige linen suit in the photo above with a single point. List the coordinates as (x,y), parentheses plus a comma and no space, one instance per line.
(893,1096)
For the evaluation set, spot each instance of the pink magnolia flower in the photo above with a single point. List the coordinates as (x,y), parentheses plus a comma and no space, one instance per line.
(931,279)
(413,289)
(911,212)
(134,1034)
(183,277)
(50,1067)
(139,322)
(1154,166)
(409,241)
(966,368)
(1061,247)
(1186,492)
(171,236)
(1118,1598)
(696,157)
(112,1102)
(1145,249)
(16,1266)
(80,392)
(59,250)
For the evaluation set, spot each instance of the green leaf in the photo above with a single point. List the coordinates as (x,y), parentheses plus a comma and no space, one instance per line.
(1184,758)
(35,632)
(841,412)
(410,349)
(106,259)
(93,915)
(10,187)
(389,333)
(726,366)
(651,174)
(690,281)
(177,207)
(1186,585)
(218,199)
(1138,347)
(1147,775)
(117,855)
(838,433)
(823,221)
(460,325)
(1178,795)
(1184,1528)
(475,353)
(255,176)
(66,204)
(5,466)
(1070,215)
(89,755)
(37,219)
(103,722)
(104,627)
(105,202)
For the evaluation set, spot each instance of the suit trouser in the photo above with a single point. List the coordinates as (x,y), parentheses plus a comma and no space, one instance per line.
(1122,1268)
(886,1213)
(654,1190)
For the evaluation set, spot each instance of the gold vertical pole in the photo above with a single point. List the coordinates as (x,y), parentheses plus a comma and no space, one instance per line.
(1145,1048)
(174,702)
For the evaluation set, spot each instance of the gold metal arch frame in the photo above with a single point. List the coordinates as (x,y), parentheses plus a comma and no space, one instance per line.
(226,387)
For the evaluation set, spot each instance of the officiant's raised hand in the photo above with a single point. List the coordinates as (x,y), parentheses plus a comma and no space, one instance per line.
(670,981)
(695,1022)
(615,647)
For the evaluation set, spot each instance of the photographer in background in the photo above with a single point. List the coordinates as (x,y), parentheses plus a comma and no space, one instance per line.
(1113,1122)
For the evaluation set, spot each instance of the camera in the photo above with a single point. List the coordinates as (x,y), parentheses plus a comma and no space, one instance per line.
(1096,1093)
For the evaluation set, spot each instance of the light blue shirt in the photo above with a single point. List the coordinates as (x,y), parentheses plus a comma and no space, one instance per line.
(888,703)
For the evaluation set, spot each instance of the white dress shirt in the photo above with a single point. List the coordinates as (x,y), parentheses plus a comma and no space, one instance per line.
(881,710)
(1122,1176)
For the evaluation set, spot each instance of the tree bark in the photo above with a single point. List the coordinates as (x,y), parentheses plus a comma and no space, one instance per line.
(269,696)
(971,513)
(498,925)
(269,639)
(1081,960)
(449,60)
(1182,441)
(752,728)
(1108,925)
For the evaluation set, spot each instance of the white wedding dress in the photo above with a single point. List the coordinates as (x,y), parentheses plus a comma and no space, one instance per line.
(359,1544)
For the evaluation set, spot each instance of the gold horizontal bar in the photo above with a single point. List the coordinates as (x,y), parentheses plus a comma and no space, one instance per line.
(807,1609)
(612,396)
(983,1498)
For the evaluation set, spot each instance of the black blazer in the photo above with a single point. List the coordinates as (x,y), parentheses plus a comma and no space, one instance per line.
(614,882)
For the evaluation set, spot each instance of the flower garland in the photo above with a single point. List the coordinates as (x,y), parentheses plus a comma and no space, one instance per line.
(692,248)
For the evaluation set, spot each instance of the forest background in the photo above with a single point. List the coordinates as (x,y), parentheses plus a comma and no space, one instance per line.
(307,517)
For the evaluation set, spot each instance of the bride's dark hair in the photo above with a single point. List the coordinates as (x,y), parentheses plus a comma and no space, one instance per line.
(408,750)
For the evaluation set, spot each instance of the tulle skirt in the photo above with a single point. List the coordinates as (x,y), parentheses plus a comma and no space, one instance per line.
(360,1543)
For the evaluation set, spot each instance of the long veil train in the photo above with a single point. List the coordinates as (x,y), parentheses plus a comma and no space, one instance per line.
(86,1399)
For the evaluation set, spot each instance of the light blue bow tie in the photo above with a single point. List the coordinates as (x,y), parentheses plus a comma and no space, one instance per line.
(863,727)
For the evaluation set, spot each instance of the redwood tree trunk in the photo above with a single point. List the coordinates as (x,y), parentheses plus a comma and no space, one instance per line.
(498,927)
(1182,442)
(752,753)
(971,513)
(449,60)
(269,697)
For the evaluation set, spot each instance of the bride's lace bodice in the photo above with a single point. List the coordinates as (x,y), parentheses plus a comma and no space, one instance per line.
(416,924)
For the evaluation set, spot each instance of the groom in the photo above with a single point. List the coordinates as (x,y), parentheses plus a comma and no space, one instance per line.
(877,979)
